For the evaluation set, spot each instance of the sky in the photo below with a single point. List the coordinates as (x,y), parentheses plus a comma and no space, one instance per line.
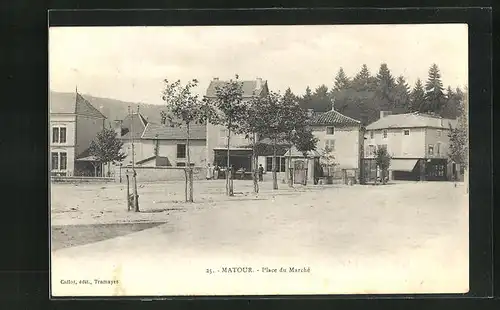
(130,63)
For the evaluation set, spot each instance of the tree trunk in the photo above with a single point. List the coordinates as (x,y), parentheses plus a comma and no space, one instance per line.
(190,169)
(290,173)
(255,166)
(186,184)
(275,174)
(128,194)
(306,159)
(136,196)
(229,185)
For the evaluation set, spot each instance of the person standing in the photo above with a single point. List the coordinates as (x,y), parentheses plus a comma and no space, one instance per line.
(216,172)
(261,173)
(209,172)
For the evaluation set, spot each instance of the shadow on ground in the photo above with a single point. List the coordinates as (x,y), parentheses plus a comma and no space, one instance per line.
(75,235)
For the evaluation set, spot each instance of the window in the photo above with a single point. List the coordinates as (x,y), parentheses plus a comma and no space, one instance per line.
(269,164)
(371,134)
(369,151)
(62,135)
(438,149)
(431,149)
(384,133)
(181,164)
(406,132)
(330,145)
(330,130)
(181,151)
(55,135)
(55,161)
(63,160)
(282,164)
(372,149)
(58,134)
(438,133)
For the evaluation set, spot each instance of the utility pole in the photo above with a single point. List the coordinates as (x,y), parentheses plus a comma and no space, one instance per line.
(134,174)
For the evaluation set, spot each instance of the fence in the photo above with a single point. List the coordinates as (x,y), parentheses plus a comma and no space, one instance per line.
(154,174)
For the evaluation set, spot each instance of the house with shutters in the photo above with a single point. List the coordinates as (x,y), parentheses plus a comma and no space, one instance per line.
(343,137)
(418,144)
(160,145)
(240,151)
(74,123)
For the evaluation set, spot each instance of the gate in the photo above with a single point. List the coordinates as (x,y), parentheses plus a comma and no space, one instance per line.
(299,172)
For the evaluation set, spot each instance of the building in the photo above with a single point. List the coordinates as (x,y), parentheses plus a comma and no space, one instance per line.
(417,143)
(341,135)
(160,144)
(216,135)
(74,123)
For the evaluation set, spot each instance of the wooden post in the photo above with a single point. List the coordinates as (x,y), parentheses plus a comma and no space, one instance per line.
(128,193)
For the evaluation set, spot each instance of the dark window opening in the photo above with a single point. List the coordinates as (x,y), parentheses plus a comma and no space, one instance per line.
(63,161)
(55,161)
(181,151)
(62,135)
(55,135)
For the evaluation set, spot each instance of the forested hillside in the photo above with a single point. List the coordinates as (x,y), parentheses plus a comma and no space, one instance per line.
(363,96)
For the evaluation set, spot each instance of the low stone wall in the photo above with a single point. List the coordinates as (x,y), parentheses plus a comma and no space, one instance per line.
(73,179)
(154,174)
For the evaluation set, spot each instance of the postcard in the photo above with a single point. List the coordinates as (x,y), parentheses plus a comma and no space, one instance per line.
(259,160)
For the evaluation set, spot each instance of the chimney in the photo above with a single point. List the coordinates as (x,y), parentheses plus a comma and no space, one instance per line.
(118,128)
(385,113)
(258,85)
(333,104)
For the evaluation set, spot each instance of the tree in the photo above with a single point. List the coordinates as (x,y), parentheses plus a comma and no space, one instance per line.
(383,161)
(327,160)
(434,96)
(385,87)
(183,109)
(402,95)
(306,100)
(229,111)
(106,148)
(305,142)
(459,149)
(342,81)
(417,97)
(277,117)
(364,81)
(454,98)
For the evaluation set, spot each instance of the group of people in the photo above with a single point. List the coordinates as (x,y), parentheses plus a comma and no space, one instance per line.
(213,172)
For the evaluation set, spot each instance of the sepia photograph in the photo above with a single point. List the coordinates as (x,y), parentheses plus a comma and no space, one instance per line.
(258,160)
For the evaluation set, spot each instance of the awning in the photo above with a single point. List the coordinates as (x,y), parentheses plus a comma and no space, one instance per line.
(88,158)
(402,164)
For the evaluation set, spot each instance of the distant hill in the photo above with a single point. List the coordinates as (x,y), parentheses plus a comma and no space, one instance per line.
(116,109)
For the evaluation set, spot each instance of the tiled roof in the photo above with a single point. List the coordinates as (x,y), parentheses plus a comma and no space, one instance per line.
(166,132)
(297,153)
(411,120)
(332,117)
(249,88)
(139,123)
(159,161)
(72,103)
